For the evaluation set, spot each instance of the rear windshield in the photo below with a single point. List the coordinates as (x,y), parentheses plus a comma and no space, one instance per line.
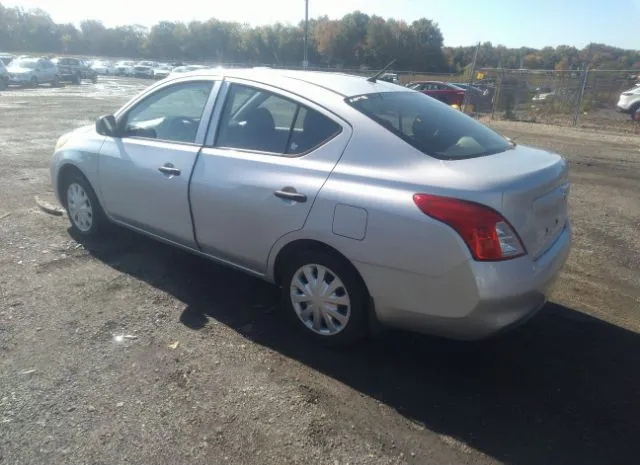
(430,126)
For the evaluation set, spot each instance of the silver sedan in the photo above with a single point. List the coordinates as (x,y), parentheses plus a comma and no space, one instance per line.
(364,201)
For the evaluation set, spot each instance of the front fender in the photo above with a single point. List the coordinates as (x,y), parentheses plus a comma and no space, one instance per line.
(81,150)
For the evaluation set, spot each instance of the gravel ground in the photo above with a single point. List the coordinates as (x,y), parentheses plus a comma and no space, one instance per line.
(131,352)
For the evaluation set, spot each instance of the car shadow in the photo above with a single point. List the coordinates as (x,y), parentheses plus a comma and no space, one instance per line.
(563,389)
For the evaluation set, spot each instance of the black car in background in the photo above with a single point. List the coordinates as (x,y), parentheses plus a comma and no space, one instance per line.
(74,70)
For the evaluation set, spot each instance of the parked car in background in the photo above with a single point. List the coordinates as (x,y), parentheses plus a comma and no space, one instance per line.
(361,200)
(186,69)
(543,94)
(124,68)
(74,70)
(443,91)
(32,71)
(471,88)
(6,58)
(480,98)
(104,68)
(390,77)
(4,76)
(145,69)
(629,101)
(162,71)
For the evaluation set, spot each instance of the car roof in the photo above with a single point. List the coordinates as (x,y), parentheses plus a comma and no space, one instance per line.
(347,85)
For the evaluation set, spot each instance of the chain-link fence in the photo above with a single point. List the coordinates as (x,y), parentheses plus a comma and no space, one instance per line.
(587,98)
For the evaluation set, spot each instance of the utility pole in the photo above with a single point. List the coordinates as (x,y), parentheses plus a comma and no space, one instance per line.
(305,62)
(467,94)
(583,87)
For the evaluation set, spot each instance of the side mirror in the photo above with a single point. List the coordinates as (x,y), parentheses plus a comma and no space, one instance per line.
(107,126)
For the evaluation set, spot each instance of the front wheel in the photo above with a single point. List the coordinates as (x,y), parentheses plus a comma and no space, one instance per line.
(325,297)
(85,214)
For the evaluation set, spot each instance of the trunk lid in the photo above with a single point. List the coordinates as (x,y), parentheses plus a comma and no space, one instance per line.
(534,187)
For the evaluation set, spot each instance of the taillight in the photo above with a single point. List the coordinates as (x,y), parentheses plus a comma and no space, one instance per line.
(486,232)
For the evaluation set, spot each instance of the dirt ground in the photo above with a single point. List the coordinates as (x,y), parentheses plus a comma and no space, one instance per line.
(131,352)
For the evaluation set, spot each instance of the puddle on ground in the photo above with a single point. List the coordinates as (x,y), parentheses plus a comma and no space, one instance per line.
(106,87)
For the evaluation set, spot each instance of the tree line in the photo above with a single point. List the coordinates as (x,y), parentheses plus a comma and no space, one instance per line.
(357,40)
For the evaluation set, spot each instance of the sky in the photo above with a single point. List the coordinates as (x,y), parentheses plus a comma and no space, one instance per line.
(513,23)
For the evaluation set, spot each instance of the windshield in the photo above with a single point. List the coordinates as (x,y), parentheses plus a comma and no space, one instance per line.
(29,64)
(430,126)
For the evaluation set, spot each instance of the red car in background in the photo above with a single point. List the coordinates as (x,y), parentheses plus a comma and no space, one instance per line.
(443,91)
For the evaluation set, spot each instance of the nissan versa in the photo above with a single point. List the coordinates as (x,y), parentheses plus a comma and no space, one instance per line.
(361,199)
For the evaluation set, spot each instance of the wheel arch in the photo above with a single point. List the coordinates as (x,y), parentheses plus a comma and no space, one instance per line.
(299,245)
(64,173)
(373,325)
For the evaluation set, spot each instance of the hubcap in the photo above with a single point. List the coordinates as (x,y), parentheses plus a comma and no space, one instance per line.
(79,207)
(320,299)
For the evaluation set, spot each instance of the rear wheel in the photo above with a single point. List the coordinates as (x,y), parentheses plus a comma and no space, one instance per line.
(325,298)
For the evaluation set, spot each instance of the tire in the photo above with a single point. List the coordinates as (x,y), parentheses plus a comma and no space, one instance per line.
(55,82)
(325,327)
(633,109)
(76,79)
(83,208)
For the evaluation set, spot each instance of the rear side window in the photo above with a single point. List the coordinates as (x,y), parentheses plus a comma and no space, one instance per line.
(430,126)
(257,120)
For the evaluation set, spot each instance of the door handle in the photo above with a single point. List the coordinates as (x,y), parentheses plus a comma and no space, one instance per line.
(169,170)
(290,194)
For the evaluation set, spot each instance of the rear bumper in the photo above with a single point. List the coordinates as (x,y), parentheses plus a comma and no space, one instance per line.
(474,301)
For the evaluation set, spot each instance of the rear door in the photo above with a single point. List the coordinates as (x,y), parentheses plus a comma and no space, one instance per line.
(266,157)
(144,175)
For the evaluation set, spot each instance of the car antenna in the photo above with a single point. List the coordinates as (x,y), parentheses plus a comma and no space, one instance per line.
(379,73)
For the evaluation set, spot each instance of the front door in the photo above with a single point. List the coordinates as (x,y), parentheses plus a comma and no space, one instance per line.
(257,180)
(144,175)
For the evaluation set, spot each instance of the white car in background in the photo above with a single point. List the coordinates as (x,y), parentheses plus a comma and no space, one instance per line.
(145,69)
(103,67)
(162,71)
(629,101)
(124,68)
(33,71)
(186,69)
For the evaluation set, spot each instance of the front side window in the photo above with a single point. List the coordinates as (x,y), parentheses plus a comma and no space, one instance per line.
(172,113)
(431,127)
(257,120)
